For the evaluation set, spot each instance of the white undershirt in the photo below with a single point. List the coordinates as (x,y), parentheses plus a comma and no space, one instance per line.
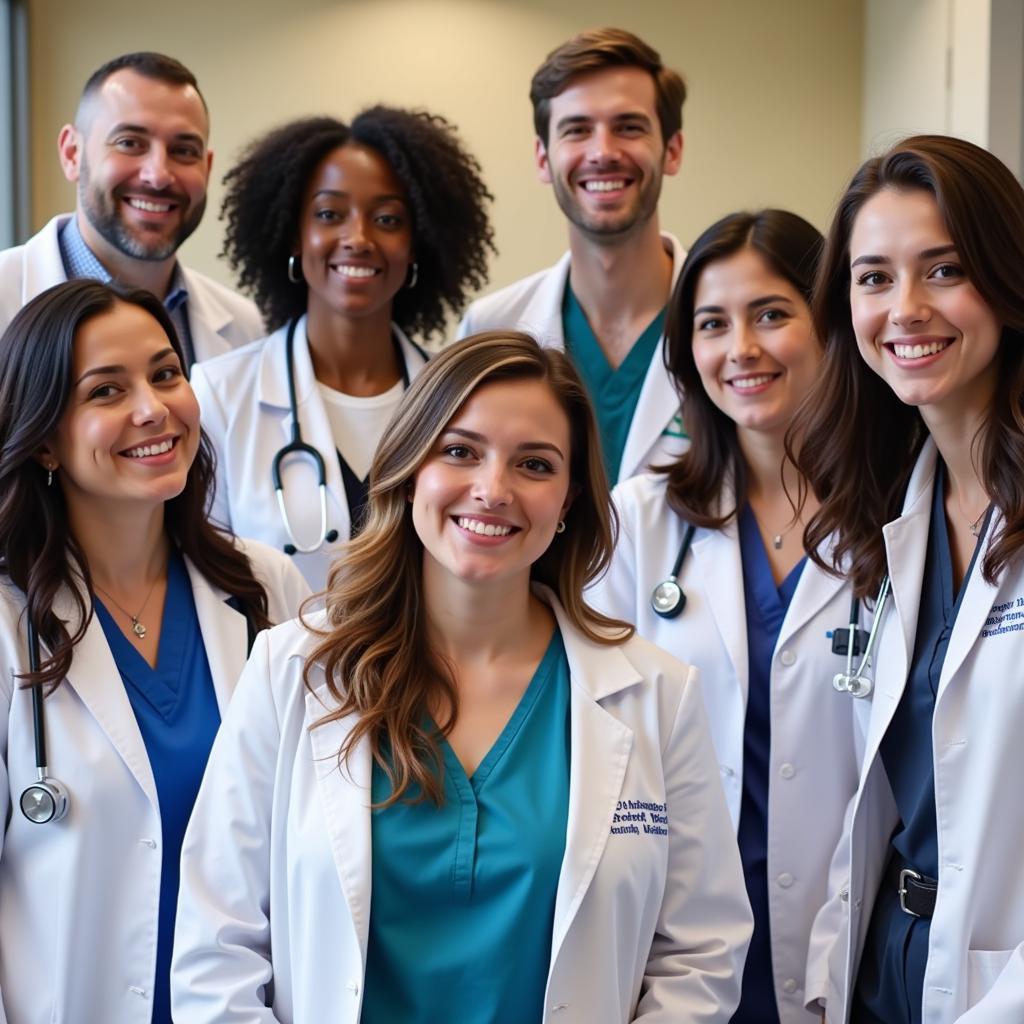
(358,423)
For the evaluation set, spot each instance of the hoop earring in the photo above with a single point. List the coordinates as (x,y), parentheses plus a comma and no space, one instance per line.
(560,528)
(414,276)
(294,269)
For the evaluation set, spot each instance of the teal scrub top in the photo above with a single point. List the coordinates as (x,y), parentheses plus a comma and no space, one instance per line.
(463,895)
(615,393)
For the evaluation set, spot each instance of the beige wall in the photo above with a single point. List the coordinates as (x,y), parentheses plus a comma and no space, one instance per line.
(773,118)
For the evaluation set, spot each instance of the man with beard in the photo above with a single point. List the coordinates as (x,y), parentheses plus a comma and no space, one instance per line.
(608,117)
(138,154)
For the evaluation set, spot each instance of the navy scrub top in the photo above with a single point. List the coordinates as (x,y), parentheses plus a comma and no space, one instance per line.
(766,606)
(614,393)
(175,706)
(463,895)
(890,982)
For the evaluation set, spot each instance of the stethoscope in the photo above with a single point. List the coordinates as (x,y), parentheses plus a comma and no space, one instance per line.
(46,799)
(668,600)
(299,447)
(856,683)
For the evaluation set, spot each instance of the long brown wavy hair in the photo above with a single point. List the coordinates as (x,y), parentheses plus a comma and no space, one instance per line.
(790,247)
(38,552)
(859,441)
(375,650)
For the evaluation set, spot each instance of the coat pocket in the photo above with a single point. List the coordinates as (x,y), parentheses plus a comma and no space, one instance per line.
(983,967)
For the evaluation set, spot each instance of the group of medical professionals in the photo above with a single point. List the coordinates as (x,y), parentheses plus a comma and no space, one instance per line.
(654,652)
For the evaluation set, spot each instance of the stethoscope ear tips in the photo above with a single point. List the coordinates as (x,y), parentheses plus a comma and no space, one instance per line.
(290,549)
(332,536)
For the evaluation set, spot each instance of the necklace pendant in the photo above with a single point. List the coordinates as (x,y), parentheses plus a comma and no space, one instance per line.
(138,629)
(777,542)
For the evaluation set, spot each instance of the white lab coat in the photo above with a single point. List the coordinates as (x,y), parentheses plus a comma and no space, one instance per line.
(246,413)
(219,319)
(975,972)
(534,305)
(816,740)
(79,898)
(276,864)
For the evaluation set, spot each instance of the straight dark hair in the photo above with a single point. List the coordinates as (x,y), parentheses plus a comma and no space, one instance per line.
(790,247)
(859,441)
(38,552)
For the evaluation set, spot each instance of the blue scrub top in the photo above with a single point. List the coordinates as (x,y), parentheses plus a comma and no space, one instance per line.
(463,895)
(890,982)
(175,706)
(766,606)
(614,393)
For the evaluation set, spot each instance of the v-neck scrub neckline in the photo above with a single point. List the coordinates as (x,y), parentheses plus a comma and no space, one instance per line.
(463,895)
(615,393)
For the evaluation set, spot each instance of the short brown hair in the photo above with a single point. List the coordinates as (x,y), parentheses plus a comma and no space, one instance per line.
(595,50)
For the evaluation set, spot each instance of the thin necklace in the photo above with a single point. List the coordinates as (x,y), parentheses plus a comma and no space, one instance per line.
(974,527)
(138,628)
(778,538)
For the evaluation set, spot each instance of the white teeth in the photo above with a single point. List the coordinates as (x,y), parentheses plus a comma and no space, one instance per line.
(484,529)
(144,204)
(355,271)
(150,449)
(919,351)
(604,186)
(751,382)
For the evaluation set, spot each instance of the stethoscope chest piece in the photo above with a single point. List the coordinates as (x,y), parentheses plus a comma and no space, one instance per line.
(44,801)
(668,599)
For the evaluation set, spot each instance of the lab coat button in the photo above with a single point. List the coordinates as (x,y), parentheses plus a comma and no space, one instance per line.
(151,843)
(787,771)
(787,658)
(785,879)
(789,986)
(353,986)
(726,771)
(844,895)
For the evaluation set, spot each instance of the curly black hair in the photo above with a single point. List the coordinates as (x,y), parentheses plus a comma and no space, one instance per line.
(452,235)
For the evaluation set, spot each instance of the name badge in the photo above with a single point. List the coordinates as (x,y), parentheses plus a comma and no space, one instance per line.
(640,818)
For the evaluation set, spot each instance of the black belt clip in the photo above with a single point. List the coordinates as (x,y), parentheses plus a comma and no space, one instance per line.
(917,893)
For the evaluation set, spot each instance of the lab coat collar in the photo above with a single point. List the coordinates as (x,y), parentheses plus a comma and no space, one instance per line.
(716,554)
(204,308)
(42,266)
(225,633)
(906,548)
(272,378)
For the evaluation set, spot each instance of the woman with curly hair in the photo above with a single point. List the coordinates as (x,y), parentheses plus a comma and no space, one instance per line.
(351,238)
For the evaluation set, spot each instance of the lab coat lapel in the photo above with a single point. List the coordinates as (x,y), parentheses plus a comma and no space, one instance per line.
(225,635)
(814,590)
(716,554)
(974,610)
(542,317)
(345,793)
(601,747)
(94,676)
(906,547)
(658,402)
